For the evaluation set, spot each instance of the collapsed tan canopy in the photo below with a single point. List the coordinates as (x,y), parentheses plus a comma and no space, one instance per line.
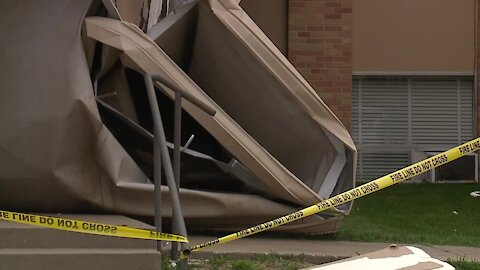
(291,147)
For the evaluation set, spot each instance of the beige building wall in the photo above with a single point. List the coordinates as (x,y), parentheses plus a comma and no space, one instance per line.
(272,17)
(410,36)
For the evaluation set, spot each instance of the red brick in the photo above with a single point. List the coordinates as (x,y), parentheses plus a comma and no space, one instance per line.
(324,58)
(333,28)
(314,65)
(333,16)
(324,55)
(315,28)
(303,34)
(315,40)
(334,40)
(323,83)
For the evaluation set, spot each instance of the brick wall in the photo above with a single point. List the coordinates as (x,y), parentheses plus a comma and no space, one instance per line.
(320,47)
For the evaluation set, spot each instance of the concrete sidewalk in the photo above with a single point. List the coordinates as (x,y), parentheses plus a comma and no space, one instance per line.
(324,250)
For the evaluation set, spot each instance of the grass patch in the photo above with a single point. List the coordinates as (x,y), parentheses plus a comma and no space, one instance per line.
(464,265)
(441,214)
(255,262)
(274,262)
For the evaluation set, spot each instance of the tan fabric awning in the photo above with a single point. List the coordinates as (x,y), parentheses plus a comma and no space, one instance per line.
(57,154)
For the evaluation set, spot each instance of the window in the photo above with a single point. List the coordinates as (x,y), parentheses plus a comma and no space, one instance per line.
(460,170)
(397,118)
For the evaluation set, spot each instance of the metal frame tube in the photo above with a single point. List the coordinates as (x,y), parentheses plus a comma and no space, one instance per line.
(177,131)
(157,184)
(161,140)
(200,104)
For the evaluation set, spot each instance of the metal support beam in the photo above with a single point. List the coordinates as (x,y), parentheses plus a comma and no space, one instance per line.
(157,183)
(177,132)
(112,9)
(195,101)
(161,140)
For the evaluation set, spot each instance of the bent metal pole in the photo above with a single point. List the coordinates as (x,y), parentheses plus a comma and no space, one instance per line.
(167,165)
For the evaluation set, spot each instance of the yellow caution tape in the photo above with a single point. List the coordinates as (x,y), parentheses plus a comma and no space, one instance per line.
(88,227)
(360,191)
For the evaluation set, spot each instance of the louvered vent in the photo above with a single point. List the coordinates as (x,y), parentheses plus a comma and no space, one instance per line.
(391,117)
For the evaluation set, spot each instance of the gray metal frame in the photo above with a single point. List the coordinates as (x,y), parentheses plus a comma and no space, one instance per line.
(161,156)
(177,129)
